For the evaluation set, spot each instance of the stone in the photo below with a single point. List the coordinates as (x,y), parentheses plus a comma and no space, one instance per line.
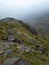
(33,50)
(11,38)
(22,62)
(7,52)
(19,33)
(22,48)
(27,49)
(11,61)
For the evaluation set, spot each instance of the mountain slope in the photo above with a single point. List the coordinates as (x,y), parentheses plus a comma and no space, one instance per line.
(41,25)
(27,44)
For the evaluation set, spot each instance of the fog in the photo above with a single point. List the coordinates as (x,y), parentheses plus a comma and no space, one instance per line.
(21,9)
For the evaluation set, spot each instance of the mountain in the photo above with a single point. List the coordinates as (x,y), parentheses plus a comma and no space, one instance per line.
(19,39)
(41,24)
(32,18)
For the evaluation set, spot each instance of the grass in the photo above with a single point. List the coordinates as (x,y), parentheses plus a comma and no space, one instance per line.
(33,58)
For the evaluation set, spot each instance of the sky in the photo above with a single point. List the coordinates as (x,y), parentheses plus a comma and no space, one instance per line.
(20,9)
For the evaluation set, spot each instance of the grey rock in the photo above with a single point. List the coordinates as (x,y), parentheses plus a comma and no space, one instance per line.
(7,52)
(22,62)
(11,61)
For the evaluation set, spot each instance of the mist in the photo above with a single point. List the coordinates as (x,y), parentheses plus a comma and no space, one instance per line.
(22,9)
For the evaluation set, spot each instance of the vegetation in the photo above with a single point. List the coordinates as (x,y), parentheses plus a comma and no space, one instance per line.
(33,58)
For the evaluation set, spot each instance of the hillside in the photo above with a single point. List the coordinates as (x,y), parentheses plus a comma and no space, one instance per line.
(19,39)
(41,24)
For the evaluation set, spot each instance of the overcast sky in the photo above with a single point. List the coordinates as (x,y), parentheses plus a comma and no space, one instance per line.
(20,9)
